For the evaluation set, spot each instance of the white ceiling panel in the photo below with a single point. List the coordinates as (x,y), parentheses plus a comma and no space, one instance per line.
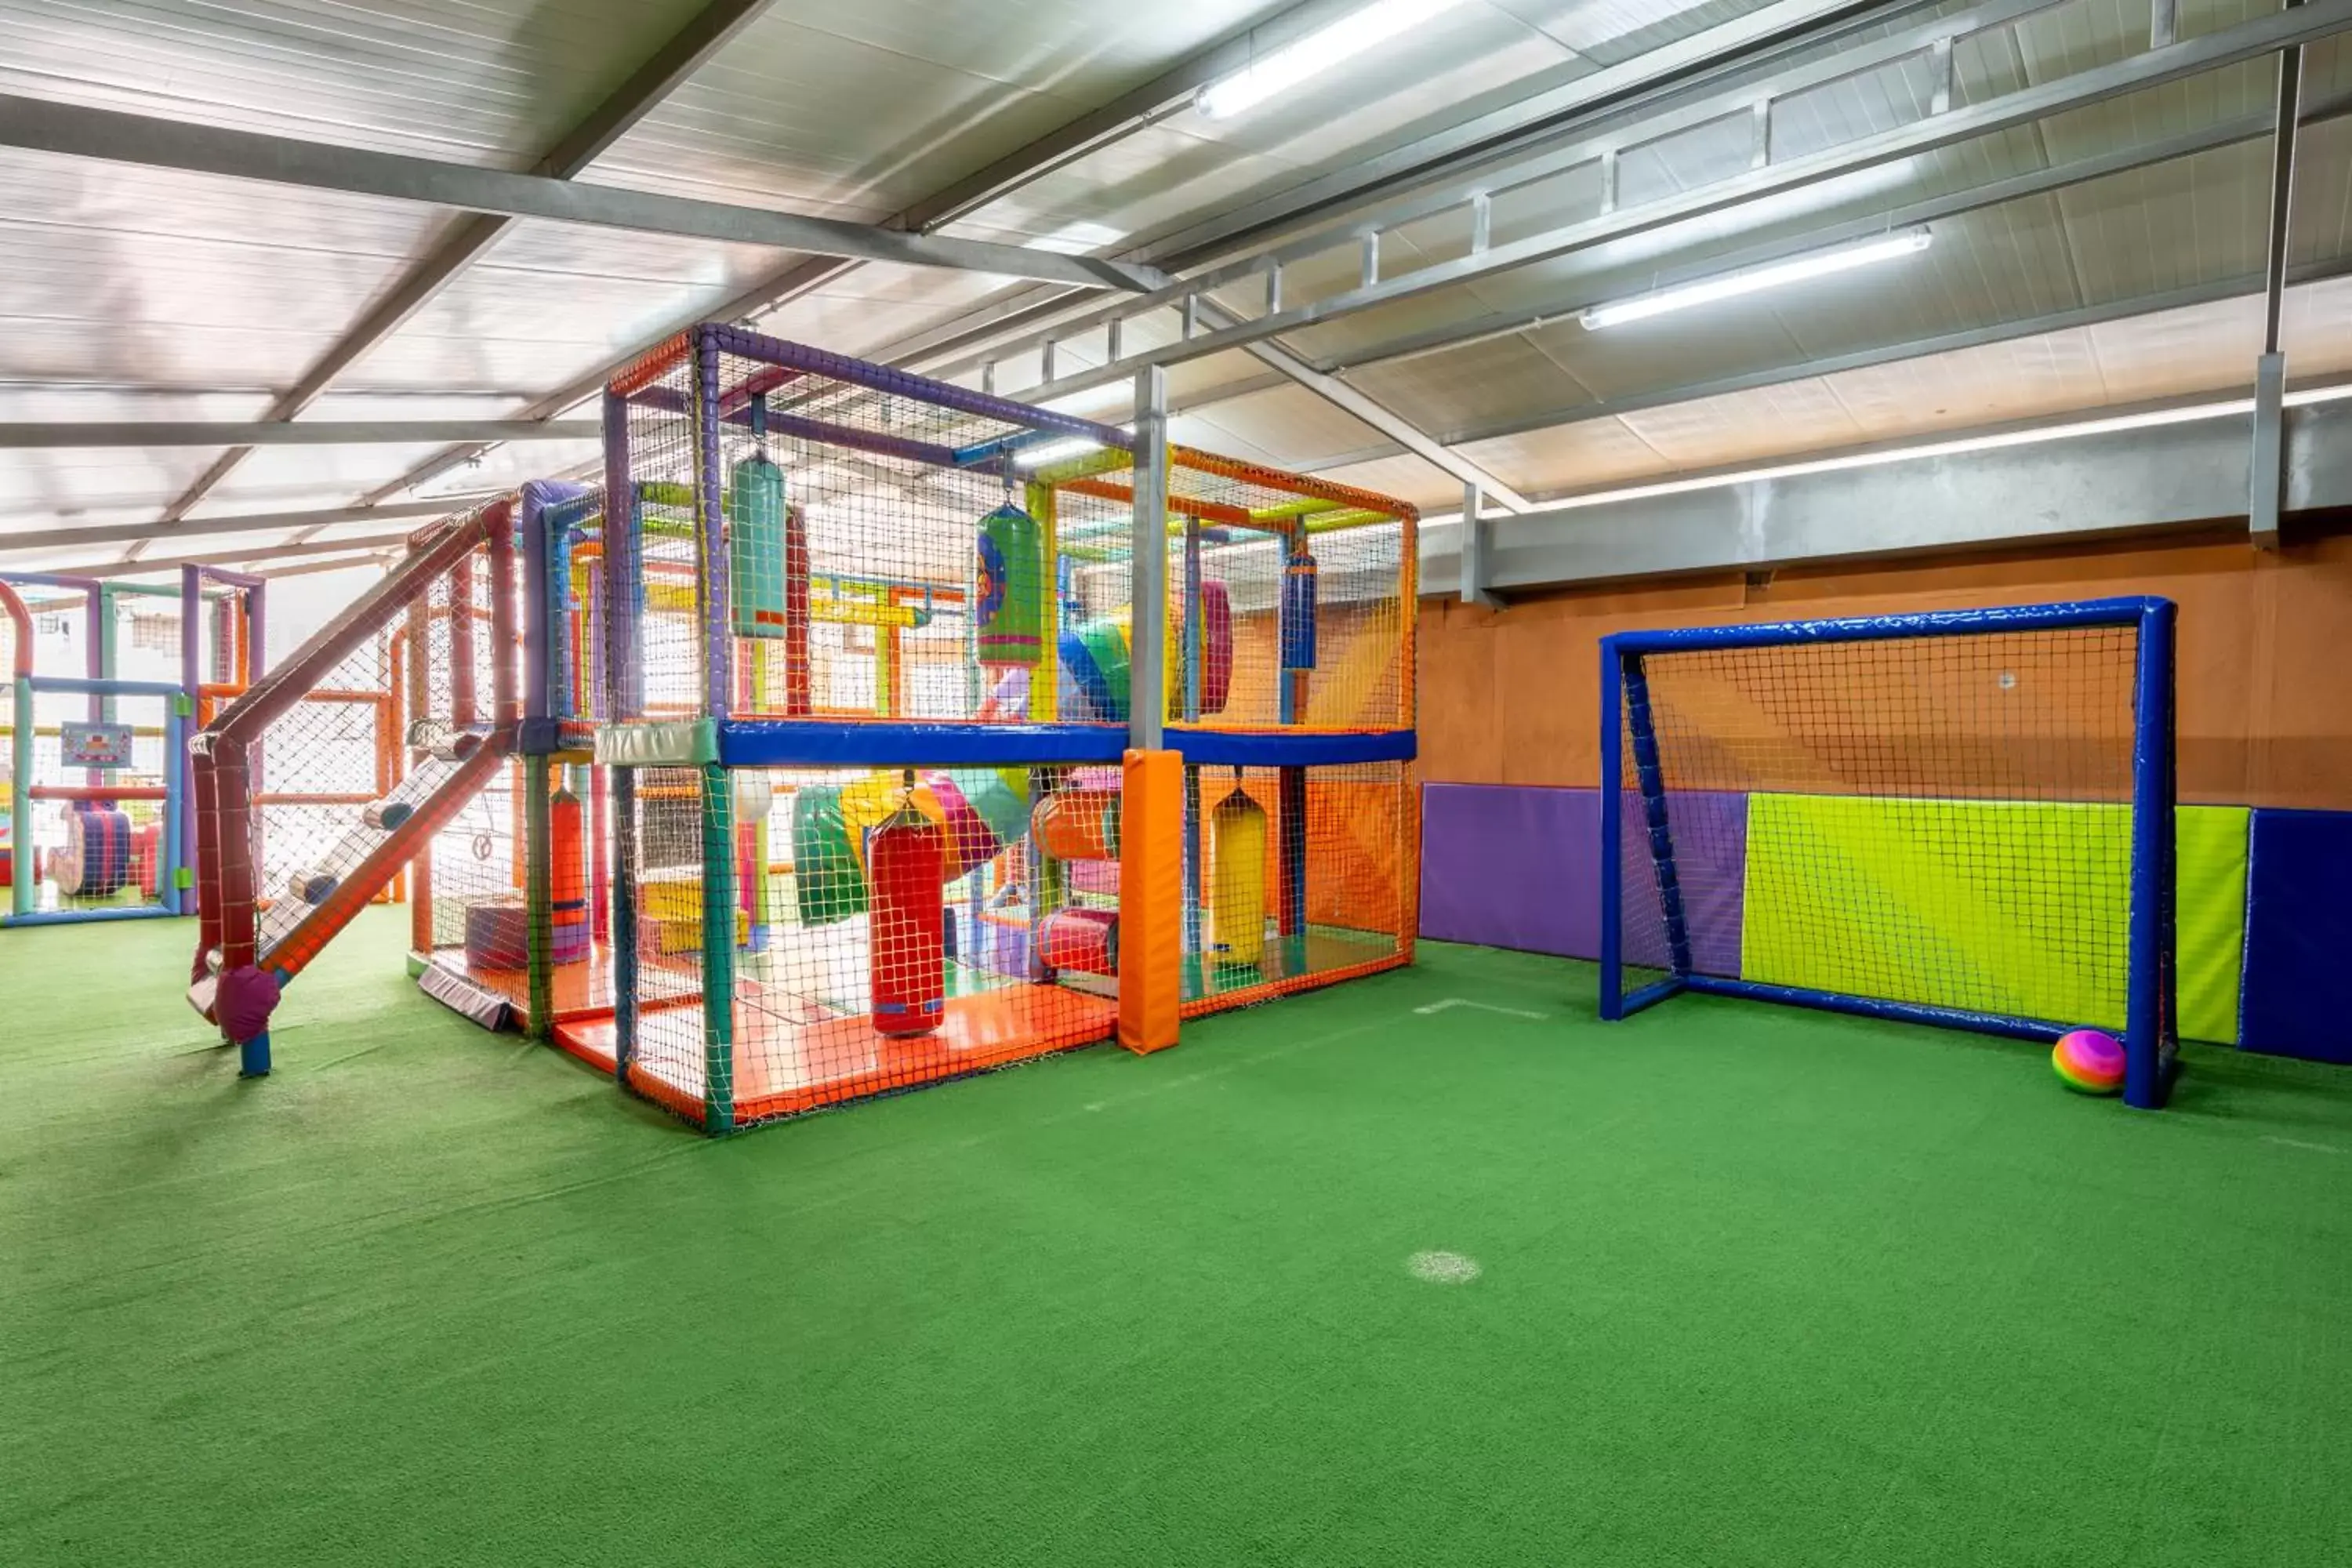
(2048,374)
(487,81)
(127,275)
(1608,32)
(1294,428)
(858,110)
(2203,351)
(1406,479)
(1498,379)
(1588,454)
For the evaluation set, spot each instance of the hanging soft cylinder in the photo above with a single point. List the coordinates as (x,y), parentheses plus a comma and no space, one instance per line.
(1012,613)
(1237,880)
(907,956)
(1298,612)
(567,840)
(756,568)
(1085,941)
(1077,825)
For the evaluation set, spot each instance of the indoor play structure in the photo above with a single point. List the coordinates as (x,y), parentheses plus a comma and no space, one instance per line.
(874,810)
(803,774)
(1961,817)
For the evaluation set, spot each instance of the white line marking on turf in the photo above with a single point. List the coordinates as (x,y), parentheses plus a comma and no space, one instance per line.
(1442,1268)
(1482,1006)
(2299,1143)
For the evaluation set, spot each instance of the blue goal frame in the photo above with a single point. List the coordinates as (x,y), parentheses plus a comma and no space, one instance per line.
(2150,1043)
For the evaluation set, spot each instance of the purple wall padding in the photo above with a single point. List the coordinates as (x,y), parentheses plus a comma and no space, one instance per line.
(1519,866)
(1710,833)
(2298,988)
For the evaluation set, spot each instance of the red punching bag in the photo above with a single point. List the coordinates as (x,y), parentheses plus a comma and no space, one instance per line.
(568,846)
(906,861)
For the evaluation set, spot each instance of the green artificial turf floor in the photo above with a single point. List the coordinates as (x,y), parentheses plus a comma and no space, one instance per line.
(1753,1286)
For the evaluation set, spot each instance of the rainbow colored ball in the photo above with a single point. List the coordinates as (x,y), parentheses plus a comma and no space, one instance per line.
(2088,1061)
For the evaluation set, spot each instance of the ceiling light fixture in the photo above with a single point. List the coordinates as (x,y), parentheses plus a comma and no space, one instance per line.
(1318,51)
(1033,458)
(1731,285)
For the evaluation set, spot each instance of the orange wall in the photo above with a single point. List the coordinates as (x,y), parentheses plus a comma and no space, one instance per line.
(2264,662)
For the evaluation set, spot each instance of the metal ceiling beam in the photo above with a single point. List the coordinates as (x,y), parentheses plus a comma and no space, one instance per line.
(1887,354)
(373,543)
(1620,125)
(1973,198)
(1762,37)
(1408,436)
(2084,487)
(2267,474)
(1164,94)
(33,436)
(2151,68)
(474,234)
(1125,113)
(21,541)
(113,136)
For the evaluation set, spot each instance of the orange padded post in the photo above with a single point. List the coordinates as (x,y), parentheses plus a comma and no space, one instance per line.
(1150,901)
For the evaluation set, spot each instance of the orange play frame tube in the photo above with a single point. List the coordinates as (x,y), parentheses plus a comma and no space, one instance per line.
(1150,901)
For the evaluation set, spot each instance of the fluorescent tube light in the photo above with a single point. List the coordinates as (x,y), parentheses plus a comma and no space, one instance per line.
(1731,285)
(1318,51)
(1052,452)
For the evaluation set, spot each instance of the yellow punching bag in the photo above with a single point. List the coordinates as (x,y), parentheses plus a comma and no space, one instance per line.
(1237,880)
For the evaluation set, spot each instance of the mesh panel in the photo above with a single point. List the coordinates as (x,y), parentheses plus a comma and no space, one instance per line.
(855,550)
(662,862)
(873,568)
(1296,876)
(315,774)
(352,770)
(1942,820)
(471,913)
(1306,633)
(892,927)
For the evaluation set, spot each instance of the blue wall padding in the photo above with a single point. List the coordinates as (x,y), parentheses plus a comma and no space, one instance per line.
(2298,994)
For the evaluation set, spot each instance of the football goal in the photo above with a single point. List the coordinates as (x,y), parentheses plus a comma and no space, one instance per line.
(1963,818)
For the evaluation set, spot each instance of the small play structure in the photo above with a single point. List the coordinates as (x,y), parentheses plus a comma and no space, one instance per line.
(793,765)
(96,822)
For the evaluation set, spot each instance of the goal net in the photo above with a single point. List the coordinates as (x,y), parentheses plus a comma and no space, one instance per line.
(1961,817)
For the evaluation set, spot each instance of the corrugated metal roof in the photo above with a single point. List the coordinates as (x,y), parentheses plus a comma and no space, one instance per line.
(134,293)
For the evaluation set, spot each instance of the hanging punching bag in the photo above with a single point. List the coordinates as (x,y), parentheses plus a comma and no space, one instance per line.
(1237,880)
(567,841)
(907,949)
(755,546)
(1012,613)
